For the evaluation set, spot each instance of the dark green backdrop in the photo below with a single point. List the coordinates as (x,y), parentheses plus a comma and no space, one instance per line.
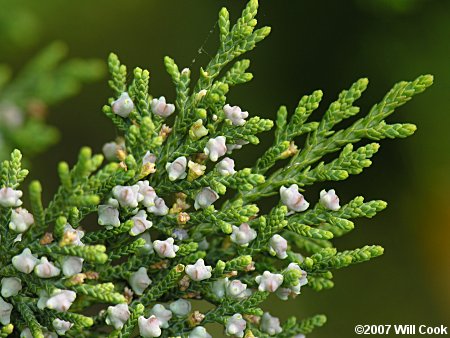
(314,44)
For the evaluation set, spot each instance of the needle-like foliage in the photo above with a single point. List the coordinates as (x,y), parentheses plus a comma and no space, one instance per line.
(167,232)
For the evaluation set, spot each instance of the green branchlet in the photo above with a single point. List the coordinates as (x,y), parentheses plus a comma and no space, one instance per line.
(24,99)
(178,223)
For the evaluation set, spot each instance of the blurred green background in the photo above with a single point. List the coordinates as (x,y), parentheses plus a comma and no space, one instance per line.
(314,45)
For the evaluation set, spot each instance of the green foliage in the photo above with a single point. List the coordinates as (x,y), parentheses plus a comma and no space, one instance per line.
(174,225)
(25,97)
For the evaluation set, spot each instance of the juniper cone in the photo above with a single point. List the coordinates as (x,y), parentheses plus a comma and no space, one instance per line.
(168,233)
